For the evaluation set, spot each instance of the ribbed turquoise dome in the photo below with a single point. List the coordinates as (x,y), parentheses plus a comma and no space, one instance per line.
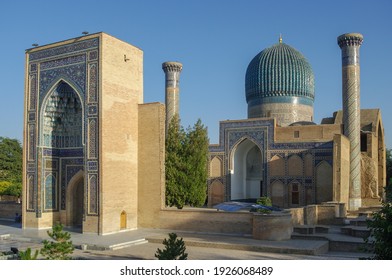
(279,74)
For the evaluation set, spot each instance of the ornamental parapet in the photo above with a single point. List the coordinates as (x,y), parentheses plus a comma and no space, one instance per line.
(172,67)
(350,39)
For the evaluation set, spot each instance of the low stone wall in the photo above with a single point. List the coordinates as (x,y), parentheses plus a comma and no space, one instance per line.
(9,198)
(326,214)
(211,221)
(9,209)
(274,226)
(297,215)
(317,214)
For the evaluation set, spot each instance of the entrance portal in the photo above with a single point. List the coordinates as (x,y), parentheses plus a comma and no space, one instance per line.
(247,173)
(75,200)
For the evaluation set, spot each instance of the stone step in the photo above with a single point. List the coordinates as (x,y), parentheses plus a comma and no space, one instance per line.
(359,222)
(373,208)
(5,236)
(128,244)
(304,229)
(341,239)
(349,246)
(117,246)
(310,229)
(366,211)
(354,245)
(367,214)
(303,247)
(356,231)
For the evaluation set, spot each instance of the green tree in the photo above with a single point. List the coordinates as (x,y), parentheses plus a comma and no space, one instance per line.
(15,189)
(174,249)
(381,233)
(186,164)
(60,248)
(4,185)
(388,187)
(174,165)
(28,255)
(10,166)
(265,201)
(389,164)
(196,158)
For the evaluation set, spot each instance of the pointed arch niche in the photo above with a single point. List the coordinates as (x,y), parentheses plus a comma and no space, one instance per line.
(61,130)
(278,193)
(62,118)
(277,166)
(295,166)
(247,171)
(75,200)
(323,182)
(217,193)
(216,167)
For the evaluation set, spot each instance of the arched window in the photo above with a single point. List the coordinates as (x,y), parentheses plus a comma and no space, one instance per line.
(295,193)
(295,164)
(50,192)
(216,167)
(276,166)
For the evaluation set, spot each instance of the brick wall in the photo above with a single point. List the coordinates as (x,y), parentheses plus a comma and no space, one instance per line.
(8,210)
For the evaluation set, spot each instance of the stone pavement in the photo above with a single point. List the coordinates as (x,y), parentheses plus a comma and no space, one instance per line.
(143,243)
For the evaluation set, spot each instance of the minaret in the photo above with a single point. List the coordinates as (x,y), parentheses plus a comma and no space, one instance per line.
(349,44)
(172,92)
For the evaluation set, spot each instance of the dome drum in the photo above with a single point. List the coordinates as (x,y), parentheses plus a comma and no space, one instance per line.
(284,113)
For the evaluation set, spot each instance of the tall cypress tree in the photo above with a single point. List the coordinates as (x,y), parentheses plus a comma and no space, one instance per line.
(186,164)
(196,148)
(175,193)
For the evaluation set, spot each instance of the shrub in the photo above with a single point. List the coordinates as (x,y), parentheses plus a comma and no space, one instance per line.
(388,191)
(61,247)
(174,249)
(27,255)
(381,233)
(265,201)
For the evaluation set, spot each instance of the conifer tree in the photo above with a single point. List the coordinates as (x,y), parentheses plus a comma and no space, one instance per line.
(61,247)
(174,165)
(174,249)
(186,164)
(196,148)
(28,254)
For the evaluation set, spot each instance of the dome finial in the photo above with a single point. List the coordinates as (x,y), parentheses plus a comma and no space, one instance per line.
(280,38)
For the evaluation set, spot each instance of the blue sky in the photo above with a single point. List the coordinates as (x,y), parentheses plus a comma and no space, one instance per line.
(215,40)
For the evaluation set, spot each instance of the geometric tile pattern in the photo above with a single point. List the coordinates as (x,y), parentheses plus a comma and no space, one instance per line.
(261,133)
(62,102)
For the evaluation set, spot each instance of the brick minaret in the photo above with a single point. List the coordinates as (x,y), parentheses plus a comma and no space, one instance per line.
(349,44)
(172,93)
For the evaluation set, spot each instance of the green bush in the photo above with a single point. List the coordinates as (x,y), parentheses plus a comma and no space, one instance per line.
(381,233)
(174,249)
(27,255)
(388,191)
(4,185)
(61,247)
(265,201)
